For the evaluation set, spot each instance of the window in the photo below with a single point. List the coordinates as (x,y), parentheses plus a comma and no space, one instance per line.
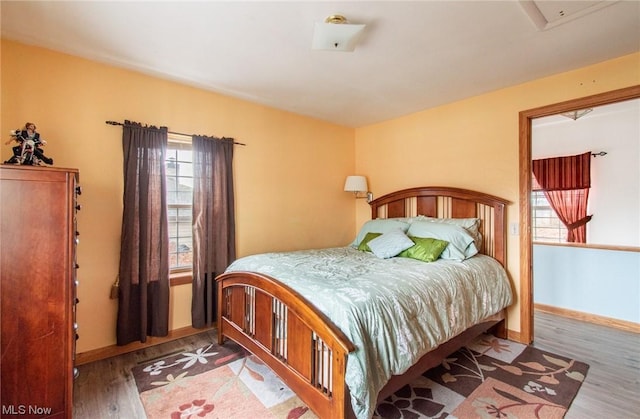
(547,226)
(179,172)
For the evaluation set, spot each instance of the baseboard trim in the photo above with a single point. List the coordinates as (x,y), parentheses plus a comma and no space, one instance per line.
(515,336)
(625,325)
(115,350)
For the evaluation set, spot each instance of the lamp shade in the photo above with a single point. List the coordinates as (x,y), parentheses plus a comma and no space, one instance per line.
(336,34)
(356,184)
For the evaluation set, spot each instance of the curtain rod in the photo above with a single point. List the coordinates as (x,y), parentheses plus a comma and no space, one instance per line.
(170,132)
(602,153)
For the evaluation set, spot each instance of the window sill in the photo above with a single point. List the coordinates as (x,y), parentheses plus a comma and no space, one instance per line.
(180,278)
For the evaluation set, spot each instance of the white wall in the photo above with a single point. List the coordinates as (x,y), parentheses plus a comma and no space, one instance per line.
(614,199)
(596,281)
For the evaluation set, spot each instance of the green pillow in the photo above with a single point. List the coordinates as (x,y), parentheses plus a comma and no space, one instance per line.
(425,249)
(367,238)
(461,245)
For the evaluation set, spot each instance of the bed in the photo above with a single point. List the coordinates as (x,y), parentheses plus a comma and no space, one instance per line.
(340,364)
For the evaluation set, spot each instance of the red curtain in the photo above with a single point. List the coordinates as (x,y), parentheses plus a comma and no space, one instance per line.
(566,182)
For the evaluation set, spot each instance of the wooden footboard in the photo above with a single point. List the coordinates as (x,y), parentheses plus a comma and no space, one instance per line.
(289,335)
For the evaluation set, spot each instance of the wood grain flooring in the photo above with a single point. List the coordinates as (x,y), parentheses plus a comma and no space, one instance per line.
(612,386)
(106,389)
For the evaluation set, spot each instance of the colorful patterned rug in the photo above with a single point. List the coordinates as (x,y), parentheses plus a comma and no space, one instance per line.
(491,378)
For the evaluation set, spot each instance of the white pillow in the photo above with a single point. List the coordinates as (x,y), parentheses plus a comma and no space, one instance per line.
(380,225)
(461,244)
(472,225)
(390,244)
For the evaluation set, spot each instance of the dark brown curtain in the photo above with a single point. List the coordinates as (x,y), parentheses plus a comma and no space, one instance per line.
(213,223)
(143,305)
(565,182)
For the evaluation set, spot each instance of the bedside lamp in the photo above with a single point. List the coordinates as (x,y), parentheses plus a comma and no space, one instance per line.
(358,185)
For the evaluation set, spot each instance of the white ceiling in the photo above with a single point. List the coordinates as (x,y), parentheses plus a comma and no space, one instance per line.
(412,55)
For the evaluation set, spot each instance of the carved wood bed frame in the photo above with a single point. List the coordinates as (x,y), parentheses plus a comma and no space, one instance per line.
(306,350)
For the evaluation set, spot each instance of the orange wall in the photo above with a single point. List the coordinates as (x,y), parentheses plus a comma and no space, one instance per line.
(474,143)
(288,178)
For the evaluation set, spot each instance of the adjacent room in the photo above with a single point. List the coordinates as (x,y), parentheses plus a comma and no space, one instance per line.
(570,277)
(320,209)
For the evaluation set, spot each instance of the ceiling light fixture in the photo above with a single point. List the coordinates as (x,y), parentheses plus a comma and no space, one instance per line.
(336,34)
(577,113)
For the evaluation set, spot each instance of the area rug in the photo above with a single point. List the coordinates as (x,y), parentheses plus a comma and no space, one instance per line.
(490,378)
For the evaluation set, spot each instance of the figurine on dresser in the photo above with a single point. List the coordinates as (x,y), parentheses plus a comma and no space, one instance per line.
(29,149)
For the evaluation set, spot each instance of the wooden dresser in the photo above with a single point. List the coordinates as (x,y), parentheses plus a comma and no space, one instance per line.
(38,238)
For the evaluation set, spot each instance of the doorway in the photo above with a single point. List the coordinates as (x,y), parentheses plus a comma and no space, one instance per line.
(526,247)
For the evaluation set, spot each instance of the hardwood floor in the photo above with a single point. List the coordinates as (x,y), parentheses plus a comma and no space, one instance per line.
(612,386)
(105,389)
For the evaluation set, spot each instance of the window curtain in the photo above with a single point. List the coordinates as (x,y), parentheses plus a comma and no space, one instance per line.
(565,182)
(143,300)
(213,223)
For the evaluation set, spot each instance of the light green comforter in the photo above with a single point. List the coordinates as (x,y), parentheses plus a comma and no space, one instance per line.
(393,310)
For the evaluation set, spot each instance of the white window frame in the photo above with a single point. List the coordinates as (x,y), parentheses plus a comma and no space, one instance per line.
(545,224)
(180,232)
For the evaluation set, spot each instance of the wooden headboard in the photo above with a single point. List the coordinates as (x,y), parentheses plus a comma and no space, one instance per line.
(446,202)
